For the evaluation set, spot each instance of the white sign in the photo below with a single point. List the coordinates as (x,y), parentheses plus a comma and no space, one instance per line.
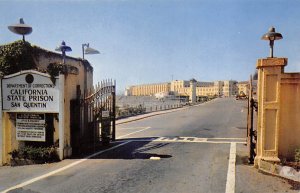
(30,127)
(30,91)
(105,114)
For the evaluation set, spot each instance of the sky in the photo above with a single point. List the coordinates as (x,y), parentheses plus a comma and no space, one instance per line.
(153,41)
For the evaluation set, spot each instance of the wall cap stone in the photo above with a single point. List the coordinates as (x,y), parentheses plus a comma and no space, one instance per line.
(271,62)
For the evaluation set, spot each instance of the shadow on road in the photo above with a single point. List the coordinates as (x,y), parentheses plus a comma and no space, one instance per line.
(244,128)
(133,150)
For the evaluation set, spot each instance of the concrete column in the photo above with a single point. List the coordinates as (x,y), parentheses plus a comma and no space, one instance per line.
(268,90)
(61,134)
(1,126)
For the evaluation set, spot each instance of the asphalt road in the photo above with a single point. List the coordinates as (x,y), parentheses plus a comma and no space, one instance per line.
(198,149)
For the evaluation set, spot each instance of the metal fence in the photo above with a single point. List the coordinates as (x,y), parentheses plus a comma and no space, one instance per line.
(134,105)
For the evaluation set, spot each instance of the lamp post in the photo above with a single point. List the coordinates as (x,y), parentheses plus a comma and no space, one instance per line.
(21,28)
(63,48)
(88,50)
(271,35)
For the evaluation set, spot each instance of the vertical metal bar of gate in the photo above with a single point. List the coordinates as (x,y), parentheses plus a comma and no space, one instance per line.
(85,118)
(248,119)
(101,106)
(114,111)
(250,132)
(94,117)
(1,126)
(90,118)
(97,115)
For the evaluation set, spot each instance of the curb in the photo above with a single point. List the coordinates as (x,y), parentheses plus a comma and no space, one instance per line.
(279,170)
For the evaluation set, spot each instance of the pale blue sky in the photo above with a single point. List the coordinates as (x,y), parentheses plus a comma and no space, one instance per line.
(148,41)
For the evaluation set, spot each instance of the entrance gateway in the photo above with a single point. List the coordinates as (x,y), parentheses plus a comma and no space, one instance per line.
(37,109)
(28,97)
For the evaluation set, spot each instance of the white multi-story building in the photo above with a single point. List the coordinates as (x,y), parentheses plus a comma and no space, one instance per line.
(225,88)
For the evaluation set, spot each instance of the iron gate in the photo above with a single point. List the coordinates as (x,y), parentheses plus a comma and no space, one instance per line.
(251,131)
(93,119)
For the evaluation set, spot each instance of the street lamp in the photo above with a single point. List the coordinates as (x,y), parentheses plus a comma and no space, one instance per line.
(88,50)
(63,48)
(271,35)
(21,28)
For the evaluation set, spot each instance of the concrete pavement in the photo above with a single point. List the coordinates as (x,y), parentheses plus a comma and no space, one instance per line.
(194,146)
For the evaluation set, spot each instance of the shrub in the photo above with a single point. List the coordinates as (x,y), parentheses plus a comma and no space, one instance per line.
(17,56)
(37,154)
(297,155)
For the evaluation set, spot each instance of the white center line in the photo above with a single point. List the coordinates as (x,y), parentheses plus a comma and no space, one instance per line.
(134,132)
(131,128)
(230,183)
(61,169)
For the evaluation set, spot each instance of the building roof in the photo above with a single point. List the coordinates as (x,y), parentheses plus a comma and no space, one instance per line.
(150,84)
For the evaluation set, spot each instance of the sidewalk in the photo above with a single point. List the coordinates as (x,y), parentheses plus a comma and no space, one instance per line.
(280,170)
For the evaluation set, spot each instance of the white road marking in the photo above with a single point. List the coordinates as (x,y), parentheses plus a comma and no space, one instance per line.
(62,169)
(199,140)
(154,158)
(193,140)
(131,128)
(134,132)
(230,183)
(229,138)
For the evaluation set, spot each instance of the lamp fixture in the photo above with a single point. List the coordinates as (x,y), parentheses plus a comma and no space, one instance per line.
(21,28)
(86,49)
(271,35)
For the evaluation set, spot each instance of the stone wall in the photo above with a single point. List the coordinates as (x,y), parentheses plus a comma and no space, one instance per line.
(82,76)
(278,124)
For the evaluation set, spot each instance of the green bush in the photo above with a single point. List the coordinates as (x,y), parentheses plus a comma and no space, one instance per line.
(20,55)
(53,69)
(17,56)
(39,154)
(297,155)
(130,111)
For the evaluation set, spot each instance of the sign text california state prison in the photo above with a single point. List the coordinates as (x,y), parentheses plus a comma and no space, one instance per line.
(29,95)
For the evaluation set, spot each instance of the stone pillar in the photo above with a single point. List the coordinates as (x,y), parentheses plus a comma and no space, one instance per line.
(268,121)
(192,91)
(1,126)
(61,133)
